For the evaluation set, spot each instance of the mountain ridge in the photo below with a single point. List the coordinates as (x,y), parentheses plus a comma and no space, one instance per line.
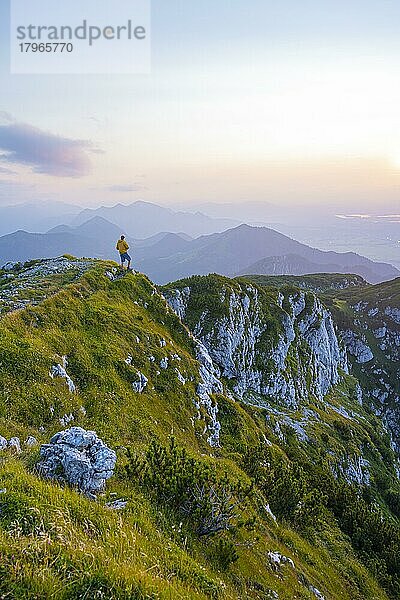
(234,251)
(145,219)
(168,256)
(259,388)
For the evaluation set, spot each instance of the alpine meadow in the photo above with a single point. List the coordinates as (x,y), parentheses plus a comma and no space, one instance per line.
(246,445)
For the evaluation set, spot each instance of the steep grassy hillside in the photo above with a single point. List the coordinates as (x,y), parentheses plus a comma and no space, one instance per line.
(295,486)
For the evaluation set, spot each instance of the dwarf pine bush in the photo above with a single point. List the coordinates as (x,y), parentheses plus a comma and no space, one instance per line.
(211,503)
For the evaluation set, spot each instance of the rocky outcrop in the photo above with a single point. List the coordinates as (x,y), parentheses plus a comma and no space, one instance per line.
(78,458)
(180,377)
(389,342)
(277,560)
(392,422)
(373,343)
(210,384)
(354,469)
(317,593)
(117,504)
(21,278)
(357,347)
(141,383)
(393,313)
(66,420)
(178,300)
(164,363)
(60,370)
(284,348)
(15,445)
(31,441)
(318,331)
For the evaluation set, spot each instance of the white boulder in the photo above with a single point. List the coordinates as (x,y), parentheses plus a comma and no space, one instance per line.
(79,458)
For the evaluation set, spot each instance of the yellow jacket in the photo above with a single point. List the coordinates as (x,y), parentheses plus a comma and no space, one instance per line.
(122,246)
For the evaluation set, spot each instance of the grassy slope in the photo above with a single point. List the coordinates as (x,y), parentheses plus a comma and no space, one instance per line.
(55,543)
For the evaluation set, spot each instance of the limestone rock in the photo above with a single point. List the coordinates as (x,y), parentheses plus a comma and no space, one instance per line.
(178,300)
(140,385)
(31,441)
(277,560)
(316,593)
(240,343)
(357,347)
(15,445)
(393,313)
(61,371)
(79,458)
(210,384)
(117,504)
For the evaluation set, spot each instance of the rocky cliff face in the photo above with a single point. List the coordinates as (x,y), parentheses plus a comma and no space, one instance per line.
(370,324)
(281,346)
(293,354)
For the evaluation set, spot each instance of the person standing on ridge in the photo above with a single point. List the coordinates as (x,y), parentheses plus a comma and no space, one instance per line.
(123,247)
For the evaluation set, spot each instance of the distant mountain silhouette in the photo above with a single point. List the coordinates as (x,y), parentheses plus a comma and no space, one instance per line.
(144,219)
(288,264)
(170,256)
(238,250)
(94,228)
(155,239)
(35,216)
(94,238)
(22,245)
(293,264)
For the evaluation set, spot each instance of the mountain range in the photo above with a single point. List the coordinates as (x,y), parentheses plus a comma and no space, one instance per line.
(139,219)
(144,219)
(167,256)
(320,227)
(36,216)
(254,250)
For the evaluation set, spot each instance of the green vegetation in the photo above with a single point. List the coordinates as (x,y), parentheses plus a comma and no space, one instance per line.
(197,523)
(318,282)
(364,311)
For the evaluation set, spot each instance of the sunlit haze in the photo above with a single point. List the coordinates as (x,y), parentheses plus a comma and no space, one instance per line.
(286,103)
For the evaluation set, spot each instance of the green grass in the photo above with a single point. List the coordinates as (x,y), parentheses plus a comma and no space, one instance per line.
(318,282)
(55,543)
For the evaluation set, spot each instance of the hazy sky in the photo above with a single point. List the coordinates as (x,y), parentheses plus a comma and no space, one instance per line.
(248,100)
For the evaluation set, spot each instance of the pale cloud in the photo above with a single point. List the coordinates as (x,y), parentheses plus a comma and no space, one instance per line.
(42,151)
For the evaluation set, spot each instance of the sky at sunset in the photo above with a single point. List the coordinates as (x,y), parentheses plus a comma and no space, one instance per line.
(285,102)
